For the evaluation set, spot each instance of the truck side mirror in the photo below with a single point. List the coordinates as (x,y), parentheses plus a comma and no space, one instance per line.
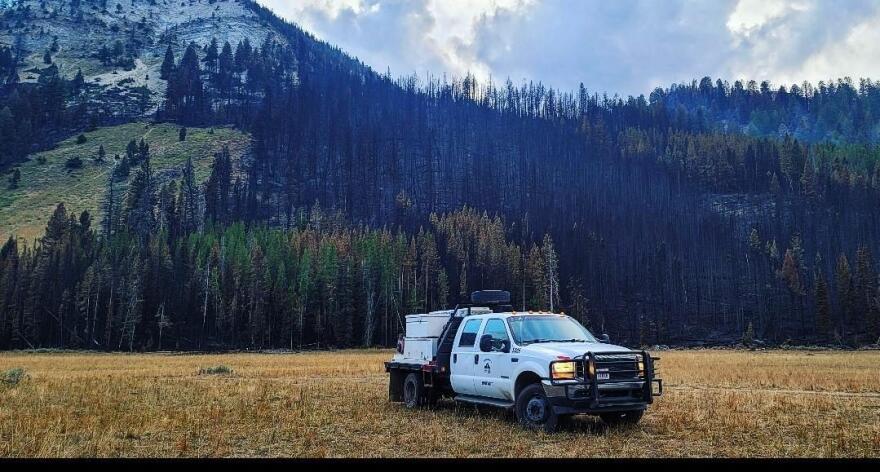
(486,343)
(603,338)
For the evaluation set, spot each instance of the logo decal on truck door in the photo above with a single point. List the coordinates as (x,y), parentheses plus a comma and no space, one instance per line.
(487,366)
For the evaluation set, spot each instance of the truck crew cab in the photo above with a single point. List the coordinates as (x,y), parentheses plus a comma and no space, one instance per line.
(544,366)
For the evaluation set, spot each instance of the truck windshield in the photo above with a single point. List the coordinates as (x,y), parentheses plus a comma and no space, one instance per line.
(548,328)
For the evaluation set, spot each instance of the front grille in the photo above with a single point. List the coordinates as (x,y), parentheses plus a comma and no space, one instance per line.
(620,367)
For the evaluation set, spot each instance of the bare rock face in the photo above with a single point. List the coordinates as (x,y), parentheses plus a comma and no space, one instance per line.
(119,45)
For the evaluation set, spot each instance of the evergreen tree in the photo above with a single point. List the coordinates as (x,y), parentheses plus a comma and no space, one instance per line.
(823,304)
(167,69)
(190,217)
(808,180)
(109,207)
(218,187)
(551,272)
(211,56)
(140,206)
(185,97)
(865,289)
(843,282)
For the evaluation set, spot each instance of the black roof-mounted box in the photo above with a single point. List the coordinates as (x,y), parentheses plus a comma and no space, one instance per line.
(490,297)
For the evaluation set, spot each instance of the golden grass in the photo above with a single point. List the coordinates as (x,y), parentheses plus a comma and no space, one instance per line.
(717,403)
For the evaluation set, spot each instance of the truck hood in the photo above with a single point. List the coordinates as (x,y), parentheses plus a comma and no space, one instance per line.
(553,350)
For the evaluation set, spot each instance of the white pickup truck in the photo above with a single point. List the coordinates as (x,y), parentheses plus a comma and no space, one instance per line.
(544,366)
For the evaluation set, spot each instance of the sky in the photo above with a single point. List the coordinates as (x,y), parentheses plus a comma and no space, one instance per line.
(625,47)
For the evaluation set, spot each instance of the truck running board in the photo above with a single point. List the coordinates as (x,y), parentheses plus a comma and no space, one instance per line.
(484,401)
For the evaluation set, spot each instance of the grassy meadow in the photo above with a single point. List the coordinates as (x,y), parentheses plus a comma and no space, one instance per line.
(334,404)
(45,181)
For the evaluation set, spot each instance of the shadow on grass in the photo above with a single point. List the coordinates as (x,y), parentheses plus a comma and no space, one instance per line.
(579,424)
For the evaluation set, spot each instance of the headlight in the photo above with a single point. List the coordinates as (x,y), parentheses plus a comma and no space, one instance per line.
(562,370)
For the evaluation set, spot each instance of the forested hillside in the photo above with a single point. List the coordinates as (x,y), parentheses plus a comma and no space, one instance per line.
(686,216)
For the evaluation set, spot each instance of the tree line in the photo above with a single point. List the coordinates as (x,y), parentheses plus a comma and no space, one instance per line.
(160,272)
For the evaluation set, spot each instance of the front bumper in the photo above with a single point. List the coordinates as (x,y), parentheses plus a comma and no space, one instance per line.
(593,396)
(619,396)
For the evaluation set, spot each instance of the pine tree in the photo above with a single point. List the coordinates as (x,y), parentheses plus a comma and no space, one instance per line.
(843,282)
(775,188)
(167,214)
(755,243)
(808,180)
(551,272)
(140,204)
(109,206)
(864,288)
(218,187)
(56,228)
(823,304)
(143,151)
(167,69)
(242,55)
(122,169)
(225,69)
(185,97)
(133,302)
(78,81)
(190,218)
(211,56)
(874,320)
(131,152)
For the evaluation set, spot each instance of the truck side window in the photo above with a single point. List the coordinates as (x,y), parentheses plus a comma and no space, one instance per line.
(498,331)
(469,333)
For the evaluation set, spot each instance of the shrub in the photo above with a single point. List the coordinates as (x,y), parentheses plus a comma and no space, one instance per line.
(13,376)
(81,139)
(216,370)
(182,135)
(14,179)
(73,163)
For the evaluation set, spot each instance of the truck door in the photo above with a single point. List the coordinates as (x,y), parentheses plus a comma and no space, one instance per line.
(465,356)
(492,377)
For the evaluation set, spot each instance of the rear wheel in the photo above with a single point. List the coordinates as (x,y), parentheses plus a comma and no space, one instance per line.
(621,418)
(413,391)
(533,409)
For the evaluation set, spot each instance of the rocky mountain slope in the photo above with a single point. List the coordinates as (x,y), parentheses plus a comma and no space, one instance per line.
(127,81)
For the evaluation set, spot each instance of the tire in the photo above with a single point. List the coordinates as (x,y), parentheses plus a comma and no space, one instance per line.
(413,391)
(533,409)
(622,418)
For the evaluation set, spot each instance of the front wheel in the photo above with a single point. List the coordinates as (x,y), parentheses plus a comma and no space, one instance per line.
(533,409)
(621,418)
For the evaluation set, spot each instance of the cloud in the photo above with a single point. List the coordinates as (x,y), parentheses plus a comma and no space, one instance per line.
(621,46)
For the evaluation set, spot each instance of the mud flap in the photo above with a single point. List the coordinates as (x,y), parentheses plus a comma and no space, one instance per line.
(395,385)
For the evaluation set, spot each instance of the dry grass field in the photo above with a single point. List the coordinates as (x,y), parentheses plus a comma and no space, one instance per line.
(717,403)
